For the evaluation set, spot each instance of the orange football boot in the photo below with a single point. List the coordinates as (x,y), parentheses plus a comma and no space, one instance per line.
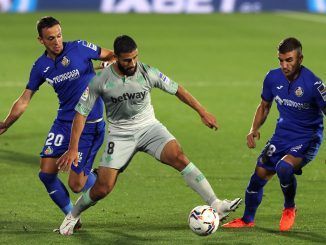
(287,220)
(238,223)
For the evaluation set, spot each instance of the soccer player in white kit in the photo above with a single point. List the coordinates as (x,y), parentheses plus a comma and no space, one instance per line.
(125,88)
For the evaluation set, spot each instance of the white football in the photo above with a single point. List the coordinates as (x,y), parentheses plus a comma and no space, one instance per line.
(203,220)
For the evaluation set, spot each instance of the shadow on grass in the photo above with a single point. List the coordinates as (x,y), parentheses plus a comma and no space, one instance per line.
(8,156)
(299,235)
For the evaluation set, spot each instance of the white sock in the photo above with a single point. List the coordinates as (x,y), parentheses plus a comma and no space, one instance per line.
(83,203)
(198,182)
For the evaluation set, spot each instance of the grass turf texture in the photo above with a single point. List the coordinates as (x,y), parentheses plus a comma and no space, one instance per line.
(221,60)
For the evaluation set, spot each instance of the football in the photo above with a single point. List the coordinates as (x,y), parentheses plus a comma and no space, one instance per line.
(203,220)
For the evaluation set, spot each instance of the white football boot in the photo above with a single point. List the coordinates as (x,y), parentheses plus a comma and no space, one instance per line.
(68,225)
(224,207)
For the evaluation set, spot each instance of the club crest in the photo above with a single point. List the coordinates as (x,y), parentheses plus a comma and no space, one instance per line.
(65,61)
(298,92)
(48,150)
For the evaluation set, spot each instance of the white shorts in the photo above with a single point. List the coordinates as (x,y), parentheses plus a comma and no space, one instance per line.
(123,145)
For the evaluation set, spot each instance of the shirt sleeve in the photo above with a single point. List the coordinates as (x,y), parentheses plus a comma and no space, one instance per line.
(161,81)
(89,97)
(89,50)
(319,92)
(35,79)
(267,93)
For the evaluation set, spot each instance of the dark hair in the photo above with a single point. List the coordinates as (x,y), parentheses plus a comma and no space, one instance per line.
(124,44)
(289,44)
(46,22)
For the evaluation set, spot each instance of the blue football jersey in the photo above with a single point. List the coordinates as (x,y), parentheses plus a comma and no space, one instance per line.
(69,75)
(299,103)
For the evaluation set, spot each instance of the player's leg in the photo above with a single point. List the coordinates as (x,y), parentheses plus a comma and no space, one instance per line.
(253,197)
(292,163)
(55,145)
(57,191)
(161,144)
(81,178)
(104,184)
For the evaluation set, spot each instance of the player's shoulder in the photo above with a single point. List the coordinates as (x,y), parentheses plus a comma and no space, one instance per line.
(274,73)
(308,74)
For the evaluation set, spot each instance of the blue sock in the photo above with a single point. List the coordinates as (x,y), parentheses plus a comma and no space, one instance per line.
(90,181)
(254,196)
(288,182)
(57,191)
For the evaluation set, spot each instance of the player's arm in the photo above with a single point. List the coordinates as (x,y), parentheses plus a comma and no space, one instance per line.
(106,57)
(17,109)
(207,118)
(71,156)
(259,119)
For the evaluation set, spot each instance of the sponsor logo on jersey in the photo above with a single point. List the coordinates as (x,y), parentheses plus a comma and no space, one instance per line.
(322,90)
(129,96)
(89,45)
(65,61)
(48,150)
(291,103)
(279,87)
(70,75)
(298,92)
(85,94)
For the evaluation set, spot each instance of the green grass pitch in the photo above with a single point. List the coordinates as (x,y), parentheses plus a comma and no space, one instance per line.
(221,60)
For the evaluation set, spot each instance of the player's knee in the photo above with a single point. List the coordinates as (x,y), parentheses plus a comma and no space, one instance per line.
(75,186)
(284,171)
(256,183)
(47,178)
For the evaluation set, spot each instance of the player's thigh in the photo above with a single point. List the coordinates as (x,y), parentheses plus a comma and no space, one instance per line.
(49,165)
(154,139)
(119,150)
(90,142)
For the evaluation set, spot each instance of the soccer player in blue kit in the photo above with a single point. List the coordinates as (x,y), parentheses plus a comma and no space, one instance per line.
(301,101)
(68,68)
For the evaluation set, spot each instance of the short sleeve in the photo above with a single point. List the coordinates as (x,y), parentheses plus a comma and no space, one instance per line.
(161,81)
(89,97)
(89,50)
(267,93)
(319,92)
(35,79)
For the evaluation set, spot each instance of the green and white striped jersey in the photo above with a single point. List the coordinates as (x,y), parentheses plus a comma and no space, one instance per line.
(127,98)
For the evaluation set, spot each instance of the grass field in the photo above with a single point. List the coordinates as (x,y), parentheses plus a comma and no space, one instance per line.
(221,60)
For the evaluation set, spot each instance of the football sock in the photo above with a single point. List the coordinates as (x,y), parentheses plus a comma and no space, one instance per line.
(57,191)
(253,197)
(197,181)
(89,182)
(83,203)
(288,182)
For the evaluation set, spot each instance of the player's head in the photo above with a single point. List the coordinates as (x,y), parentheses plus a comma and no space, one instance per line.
(125,50)
(50,35)
(290,57)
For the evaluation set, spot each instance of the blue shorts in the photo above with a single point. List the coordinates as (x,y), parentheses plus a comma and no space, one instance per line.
(57,143)
(276,149)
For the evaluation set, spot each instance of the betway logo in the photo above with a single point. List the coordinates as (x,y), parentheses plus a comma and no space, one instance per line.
(70,75)
(129,96)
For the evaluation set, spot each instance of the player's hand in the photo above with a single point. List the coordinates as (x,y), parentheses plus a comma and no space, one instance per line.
(3,127)
(209,120)
(68,158)
(251,138)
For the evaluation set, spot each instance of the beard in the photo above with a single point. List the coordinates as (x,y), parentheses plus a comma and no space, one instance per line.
(128,72)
